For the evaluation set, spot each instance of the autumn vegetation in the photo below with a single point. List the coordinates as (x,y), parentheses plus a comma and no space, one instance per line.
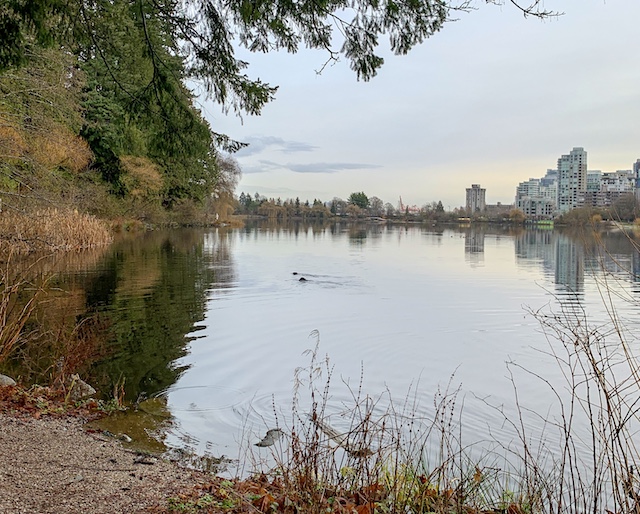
(99,129)
(62,151)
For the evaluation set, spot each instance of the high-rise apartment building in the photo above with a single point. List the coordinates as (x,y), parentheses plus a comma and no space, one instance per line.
(572,185)
(529,188)
(536,198)
(572,179)
(476,199)
(604,189)
(594,178)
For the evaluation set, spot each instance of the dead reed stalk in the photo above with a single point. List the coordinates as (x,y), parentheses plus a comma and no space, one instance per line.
(19,299)
(51,230)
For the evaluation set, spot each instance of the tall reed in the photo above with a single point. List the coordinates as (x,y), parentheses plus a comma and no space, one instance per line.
(50,230)
(18,301)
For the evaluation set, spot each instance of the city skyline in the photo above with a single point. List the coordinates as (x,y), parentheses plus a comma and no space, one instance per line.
(492,99)
(474,199)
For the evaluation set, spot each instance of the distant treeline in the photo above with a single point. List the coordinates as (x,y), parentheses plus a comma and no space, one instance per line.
(358,205)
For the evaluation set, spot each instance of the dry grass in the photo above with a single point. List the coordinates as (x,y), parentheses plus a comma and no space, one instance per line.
(19,299)
(37,323)
(51,230)
(12,143)
(45,334)
(587,459)
(377,456)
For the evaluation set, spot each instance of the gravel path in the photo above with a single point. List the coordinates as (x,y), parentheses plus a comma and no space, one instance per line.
(53,466)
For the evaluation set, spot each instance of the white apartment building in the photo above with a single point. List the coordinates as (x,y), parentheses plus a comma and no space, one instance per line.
(621,181)
(529,188)
(536,198)
(537,208)
(476,199)
(571,186)
(609,187)
(549,186)
(593,181)
(572,180)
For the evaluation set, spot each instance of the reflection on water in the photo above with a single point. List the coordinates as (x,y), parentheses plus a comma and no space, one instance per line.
(215,322)
(474,246)
(138,304)
(155,290)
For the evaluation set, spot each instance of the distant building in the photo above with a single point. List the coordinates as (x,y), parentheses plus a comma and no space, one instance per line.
(536,198)
(529,188)
(614,185)
(572,185)
(551,178)
(593,181)
(537,208)
(594,177)
(549,186)
(609,187)
(572,180)
(498,209)
(476,199)
(621,181)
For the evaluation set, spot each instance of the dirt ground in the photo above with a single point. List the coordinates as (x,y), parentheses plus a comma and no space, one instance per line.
(52,465)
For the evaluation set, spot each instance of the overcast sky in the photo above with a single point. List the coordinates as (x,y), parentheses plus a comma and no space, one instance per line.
(492,99)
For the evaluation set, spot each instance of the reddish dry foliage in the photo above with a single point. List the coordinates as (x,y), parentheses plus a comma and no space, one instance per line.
(260,494)
(44,401)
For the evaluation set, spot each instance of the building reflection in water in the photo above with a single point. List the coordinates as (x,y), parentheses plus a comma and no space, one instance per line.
(535,247)
(560,256)
(569,256)
(474,246)
(566,256)
(635,266)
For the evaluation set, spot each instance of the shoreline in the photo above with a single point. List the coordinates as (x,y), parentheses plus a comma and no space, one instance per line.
(51,465)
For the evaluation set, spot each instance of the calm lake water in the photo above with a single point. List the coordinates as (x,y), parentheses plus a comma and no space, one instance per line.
(216,321)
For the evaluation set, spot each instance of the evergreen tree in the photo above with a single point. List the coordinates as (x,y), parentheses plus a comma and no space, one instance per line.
(359,199)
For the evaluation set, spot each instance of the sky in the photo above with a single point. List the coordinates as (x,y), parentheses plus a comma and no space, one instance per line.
(493,99)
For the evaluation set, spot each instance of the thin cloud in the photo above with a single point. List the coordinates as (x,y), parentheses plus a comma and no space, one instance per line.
(282,191)
(264,166)
(261,167)
(259,144)
(329,167)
